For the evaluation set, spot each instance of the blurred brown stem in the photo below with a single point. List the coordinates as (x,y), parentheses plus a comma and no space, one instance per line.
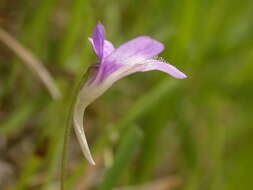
(31,62)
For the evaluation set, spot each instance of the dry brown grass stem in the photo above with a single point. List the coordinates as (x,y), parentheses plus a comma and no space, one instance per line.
(31,62)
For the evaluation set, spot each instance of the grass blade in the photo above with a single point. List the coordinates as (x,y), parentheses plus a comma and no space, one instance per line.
(123,157)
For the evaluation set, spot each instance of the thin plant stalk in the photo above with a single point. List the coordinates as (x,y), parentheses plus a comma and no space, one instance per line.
(31,62)
(65,146)
(68,129)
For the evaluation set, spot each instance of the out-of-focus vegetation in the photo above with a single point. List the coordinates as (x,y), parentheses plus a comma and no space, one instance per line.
(149,131)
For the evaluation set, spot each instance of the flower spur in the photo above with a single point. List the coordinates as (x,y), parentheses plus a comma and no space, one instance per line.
(136,55)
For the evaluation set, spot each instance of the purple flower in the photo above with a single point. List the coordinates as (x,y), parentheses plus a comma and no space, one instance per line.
(136,55)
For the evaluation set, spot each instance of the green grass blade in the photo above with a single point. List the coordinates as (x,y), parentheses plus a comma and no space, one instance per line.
(31,166)
(123,157)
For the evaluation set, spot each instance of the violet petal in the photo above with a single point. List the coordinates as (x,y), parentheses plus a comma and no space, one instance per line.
(164,67)
(147,65)
(98,40)
(107,49)
(135,51)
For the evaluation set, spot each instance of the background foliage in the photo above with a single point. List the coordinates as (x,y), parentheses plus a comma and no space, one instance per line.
(149,131)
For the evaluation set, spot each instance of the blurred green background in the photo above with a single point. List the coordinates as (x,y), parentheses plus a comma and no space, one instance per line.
(150,131)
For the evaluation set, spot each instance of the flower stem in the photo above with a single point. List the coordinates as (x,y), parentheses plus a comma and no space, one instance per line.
(65,146)
(68,129)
